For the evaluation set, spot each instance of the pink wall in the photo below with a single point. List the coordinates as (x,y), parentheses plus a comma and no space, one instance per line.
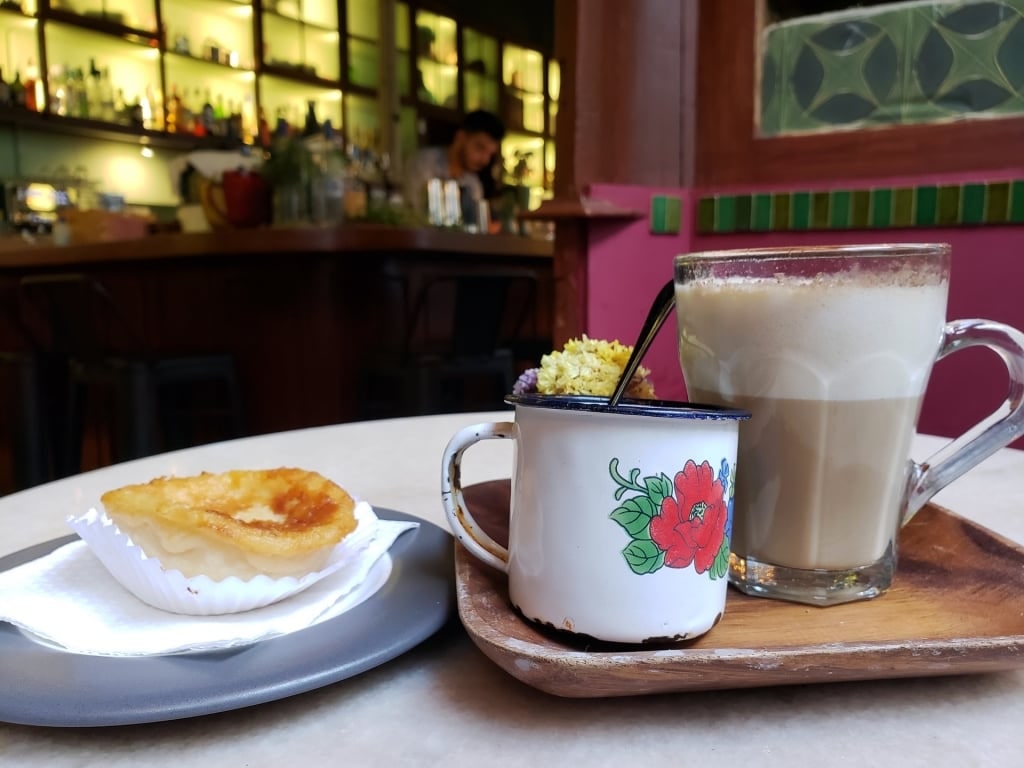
(627,266)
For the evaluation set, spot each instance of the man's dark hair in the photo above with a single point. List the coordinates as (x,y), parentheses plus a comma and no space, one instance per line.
(482,121)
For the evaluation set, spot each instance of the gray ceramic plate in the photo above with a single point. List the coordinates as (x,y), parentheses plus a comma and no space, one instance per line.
(45,686)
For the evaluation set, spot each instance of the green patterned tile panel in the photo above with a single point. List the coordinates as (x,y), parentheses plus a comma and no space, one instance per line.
(665,217)
(997,204)
(920,62)
(761,218)
(881,208)
(1017,202)
(926,206)
(839,209)
(861,210)
(949,206)
(800,216)
(968,204)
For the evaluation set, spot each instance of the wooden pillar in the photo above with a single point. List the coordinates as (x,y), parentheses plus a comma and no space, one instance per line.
(625,117)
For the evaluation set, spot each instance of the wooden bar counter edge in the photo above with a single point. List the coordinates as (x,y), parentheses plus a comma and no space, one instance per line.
(355,239)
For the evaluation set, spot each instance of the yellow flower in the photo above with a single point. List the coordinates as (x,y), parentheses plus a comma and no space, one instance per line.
(590,367)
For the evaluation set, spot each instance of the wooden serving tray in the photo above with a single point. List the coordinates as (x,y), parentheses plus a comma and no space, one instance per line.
(956,607)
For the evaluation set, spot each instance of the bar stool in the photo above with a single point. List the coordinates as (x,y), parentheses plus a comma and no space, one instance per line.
(150,393)
(435,374)
(21,378)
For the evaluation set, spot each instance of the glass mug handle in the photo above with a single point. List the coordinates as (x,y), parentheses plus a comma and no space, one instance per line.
(986,437)
(465,528)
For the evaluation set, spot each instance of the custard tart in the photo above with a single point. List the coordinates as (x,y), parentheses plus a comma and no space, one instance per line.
(241,523)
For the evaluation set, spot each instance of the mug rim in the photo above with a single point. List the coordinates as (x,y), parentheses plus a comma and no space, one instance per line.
(780,253)
(671,409)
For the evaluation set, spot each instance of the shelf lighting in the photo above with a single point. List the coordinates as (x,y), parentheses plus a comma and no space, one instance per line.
(146,152)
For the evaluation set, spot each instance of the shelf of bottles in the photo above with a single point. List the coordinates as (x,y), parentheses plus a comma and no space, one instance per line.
(437,60)
(554,90)
(234,70)
(479,71)
(362,27)
(525,150)
(95,77)
(19,56)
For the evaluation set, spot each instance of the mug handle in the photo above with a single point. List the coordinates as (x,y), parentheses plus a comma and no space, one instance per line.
(989,435)
(465,528)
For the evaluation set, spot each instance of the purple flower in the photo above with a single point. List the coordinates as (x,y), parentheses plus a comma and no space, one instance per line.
(526,383)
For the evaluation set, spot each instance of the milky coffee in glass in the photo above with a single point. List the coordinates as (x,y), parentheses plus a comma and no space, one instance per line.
(830,349)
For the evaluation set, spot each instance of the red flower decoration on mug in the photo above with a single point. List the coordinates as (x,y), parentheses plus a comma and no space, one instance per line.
(691,526)
(676,523)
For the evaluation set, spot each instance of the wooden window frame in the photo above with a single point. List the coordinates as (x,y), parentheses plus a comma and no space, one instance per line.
(729,152)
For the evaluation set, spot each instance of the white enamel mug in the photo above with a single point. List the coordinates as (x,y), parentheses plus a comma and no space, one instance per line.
(620,516)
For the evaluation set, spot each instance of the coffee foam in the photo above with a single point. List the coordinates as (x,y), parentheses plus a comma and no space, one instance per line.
(852,338)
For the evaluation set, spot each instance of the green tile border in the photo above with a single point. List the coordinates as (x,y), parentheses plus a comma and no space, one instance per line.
(969,203)
(665,215)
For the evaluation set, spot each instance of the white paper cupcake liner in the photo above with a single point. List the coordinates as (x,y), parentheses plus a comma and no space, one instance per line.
(170,590)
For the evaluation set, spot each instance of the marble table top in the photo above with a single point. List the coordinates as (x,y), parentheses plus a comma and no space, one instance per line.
(445,703)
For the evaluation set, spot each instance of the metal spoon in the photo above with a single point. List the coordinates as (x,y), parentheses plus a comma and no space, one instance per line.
(660,309)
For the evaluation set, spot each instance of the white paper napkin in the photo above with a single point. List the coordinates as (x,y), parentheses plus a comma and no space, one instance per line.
(68,598)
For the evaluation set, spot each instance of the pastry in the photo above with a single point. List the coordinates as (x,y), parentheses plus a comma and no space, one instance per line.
(242,523)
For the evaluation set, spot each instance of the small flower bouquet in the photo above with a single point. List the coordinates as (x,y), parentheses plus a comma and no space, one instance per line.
(585,366)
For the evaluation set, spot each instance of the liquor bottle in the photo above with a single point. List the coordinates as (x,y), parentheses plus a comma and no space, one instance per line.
(92,91)
(32,100)
(186,115)
(207,117)
(5,91)
(155,118)
(173,107)
(263,128)
(234,121)
(136,115)
(121,111)
(81,103)
(57,101)
(106,96)
(312,126)
(249,125)
(18,91)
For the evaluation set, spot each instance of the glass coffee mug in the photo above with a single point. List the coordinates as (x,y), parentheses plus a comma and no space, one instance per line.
(830,349)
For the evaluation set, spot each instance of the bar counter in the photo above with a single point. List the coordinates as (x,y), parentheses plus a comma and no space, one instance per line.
(351,240)
(302,311)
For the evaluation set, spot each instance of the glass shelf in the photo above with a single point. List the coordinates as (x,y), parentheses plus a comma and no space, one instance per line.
(408,133)
(523,157)
(134,14)
(403,46)
(523,96)
(133,72)
(228,90)
(362,126)
(438,83)
(363,63)
(523,70)
(435,38)
(281,97)
(479,71)
(320,13)
(436,78)
(19,50)
(361,19)
(212,30)
(309,51)
(549,164)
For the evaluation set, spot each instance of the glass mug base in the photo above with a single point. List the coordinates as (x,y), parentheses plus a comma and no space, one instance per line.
(812,586)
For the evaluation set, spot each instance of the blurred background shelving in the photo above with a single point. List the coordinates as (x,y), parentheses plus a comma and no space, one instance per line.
(184,74)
